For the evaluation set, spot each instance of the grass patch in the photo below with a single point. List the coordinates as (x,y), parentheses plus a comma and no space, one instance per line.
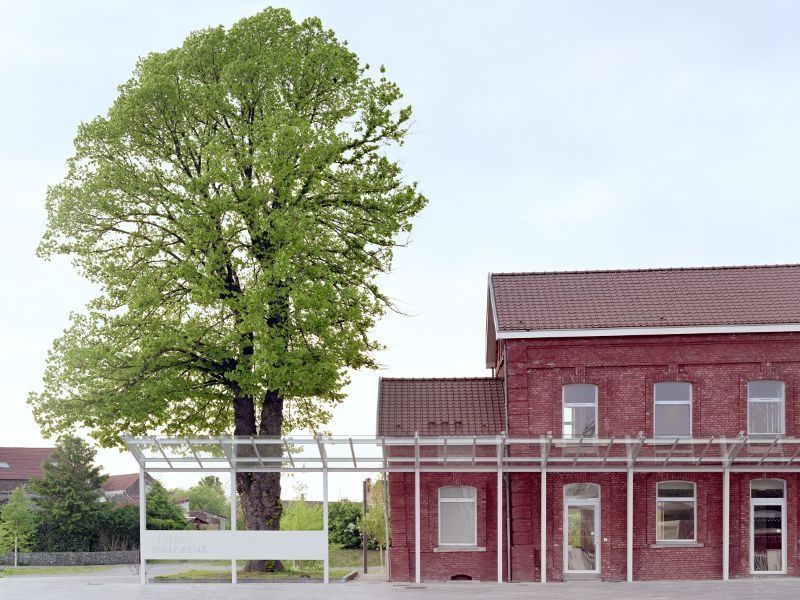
(346,557)
(214,574)
(15,571)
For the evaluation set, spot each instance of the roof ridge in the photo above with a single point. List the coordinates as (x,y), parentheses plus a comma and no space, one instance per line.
(651,269)
(472,378)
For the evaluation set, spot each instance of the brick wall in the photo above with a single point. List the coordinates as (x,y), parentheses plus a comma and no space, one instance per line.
(625,370)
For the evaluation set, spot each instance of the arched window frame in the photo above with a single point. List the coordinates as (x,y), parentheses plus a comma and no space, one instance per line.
(572,405)
(664,499)
(661,402)
(473,500)
(754,400)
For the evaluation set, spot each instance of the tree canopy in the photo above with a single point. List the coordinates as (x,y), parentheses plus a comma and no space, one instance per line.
(234,207)
(17,522)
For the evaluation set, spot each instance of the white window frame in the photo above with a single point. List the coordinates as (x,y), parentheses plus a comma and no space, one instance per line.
(784,532)
(656,402)
(582,502)
(767,400)
(579,405)
(693,499)
(473,501)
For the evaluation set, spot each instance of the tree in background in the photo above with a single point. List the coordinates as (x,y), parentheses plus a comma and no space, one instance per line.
(299,515)
(117,527)
(209,498)
(235,208)
(343,522)
(17,524)
(374,522)
(162,510)
(67,497)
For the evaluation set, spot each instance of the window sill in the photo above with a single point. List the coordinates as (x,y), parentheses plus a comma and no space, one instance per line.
(459,549)
(677,545)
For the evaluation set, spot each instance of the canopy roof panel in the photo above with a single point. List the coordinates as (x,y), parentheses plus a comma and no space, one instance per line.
(463,453)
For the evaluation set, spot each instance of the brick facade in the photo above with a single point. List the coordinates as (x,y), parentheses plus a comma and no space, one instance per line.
(625,370)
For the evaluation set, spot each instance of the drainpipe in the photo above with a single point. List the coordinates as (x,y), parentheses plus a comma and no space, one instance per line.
(507,475)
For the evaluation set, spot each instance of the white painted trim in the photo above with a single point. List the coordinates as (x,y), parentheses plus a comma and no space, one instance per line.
(234,525)
(638,331)
(629,525)
(678,499)
(595,504)
(543,524)
(726,522)
(491,351)
(142,524)
(473,500)
(784,530)
(674,402)
(757,400)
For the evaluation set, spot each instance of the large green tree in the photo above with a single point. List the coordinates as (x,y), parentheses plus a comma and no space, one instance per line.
(235,208)
(67,497)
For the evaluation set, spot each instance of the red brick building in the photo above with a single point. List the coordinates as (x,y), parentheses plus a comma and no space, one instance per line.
(644,425)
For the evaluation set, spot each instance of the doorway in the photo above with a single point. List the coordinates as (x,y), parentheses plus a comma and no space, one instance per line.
(768,526)
(582,528)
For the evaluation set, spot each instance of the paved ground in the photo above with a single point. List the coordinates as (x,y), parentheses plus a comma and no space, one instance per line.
(118,585)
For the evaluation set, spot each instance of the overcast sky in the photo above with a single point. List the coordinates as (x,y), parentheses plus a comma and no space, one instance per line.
(547,136)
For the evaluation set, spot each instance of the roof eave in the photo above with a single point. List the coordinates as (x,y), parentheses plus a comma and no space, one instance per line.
(643,331)
(491,326)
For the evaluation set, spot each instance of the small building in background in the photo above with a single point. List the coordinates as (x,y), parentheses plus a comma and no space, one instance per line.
(124,489)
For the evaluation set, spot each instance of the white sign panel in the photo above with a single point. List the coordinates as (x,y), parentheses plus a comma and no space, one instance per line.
(229,545)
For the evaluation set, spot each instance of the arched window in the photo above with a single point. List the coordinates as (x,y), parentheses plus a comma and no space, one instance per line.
(767,488)
(765,412)
(673,409)
(580,410)
(458,516)
(676,511)
(582,490)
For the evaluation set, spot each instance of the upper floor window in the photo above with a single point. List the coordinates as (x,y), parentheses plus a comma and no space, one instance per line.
(765,407)
(458,516)
(580,410)
(675,511)
(673,409)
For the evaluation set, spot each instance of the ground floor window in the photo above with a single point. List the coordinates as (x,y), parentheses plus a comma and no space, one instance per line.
(675,511)
(458,525)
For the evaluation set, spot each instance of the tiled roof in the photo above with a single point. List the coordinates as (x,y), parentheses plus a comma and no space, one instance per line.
(687,297)
(455,406)
(118,483)
(24,463)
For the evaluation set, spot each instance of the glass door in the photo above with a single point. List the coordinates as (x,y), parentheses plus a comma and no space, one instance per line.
(581,529)
(767,526)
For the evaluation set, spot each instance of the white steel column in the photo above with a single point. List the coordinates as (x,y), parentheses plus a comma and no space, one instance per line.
(234,524)
(142,525)
(726,532)
(629,543)
(326,573)
(417,555)
(499,525)
(543,524)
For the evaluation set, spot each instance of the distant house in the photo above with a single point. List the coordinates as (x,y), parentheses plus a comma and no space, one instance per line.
(18,466)
(201,519)
(124,489)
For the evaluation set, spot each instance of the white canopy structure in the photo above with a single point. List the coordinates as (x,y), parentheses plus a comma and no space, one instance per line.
(430,454)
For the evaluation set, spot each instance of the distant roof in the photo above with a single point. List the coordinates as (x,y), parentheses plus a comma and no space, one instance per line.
(453,406)
(118,483)
(678,297)
(23,463)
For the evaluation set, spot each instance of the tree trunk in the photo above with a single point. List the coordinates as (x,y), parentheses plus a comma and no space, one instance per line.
(260,493)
